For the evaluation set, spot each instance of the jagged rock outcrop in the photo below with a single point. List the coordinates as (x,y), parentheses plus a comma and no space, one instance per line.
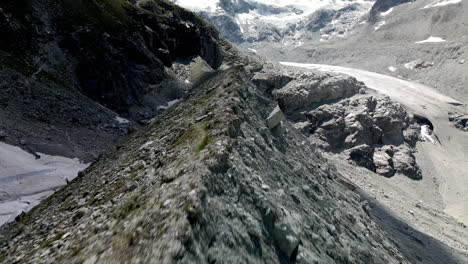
(294,90)
(371,128)
(460,121)
(191,190)
(372,121)
(382,6)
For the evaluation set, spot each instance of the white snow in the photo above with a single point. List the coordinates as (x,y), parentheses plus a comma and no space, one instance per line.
(386,12)
(409,65)
(307,7)
(431,39)
(439,3)
(198,5)
(121,120)
(25,181)
(168,105)
(379,25)
(426,134)
(252,50)
(392,68)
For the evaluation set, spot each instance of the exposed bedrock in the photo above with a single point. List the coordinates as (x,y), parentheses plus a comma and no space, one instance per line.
(337,113)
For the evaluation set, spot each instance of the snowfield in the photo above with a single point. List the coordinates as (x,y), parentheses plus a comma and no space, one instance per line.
(25,180)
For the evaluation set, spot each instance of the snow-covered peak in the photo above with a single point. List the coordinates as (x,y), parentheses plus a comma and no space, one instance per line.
(290,22)
(293,9)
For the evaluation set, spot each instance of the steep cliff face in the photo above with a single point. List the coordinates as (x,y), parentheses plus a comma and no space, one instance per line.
(383,6)
(205,182)
(62,61)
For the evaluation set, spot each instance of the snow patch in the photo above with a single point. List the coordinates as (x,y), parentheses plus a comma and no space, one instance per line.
(168,105)
(121,120)
(410,65)
(426,134)
(386,12)
(392,69)
(252,50)
(431,39)
(439,3)
(379,25)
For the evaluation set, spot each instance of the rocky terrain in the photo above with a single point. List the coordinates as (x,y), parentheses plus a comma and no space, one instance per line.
(406,39)
(228,158)
(341,117)
(162,195)
(76,77)
(409,41)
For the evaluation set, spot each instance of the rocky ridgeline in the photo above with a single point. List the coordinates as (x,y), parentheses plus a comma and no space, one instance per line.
(208,181)
(223,176)
(339,115)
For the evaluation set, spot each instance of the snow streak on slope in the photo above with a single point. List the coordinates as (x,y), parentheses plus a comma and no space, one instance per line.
(439,3)
(431,39)
(386,12)
(25,180)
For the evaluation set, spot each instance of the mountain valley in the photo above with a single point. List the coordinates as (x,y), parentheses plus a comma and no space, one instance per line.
(303,132)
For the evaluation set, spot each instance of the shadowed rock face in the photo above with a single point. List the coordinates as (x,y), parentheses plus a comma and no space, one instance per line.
(138,41)
(70,68)
(382,6)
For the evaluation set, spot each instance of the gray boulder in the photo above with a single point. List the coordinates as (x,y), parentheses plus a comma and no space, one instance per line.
(369,130)
(383,163)
(286,239)
(307,89)
(275,118)
(405,162)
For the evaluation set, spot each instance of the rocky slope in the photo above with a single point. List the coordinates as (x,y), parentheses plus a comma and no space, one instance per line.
(162,195)
(223,175)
